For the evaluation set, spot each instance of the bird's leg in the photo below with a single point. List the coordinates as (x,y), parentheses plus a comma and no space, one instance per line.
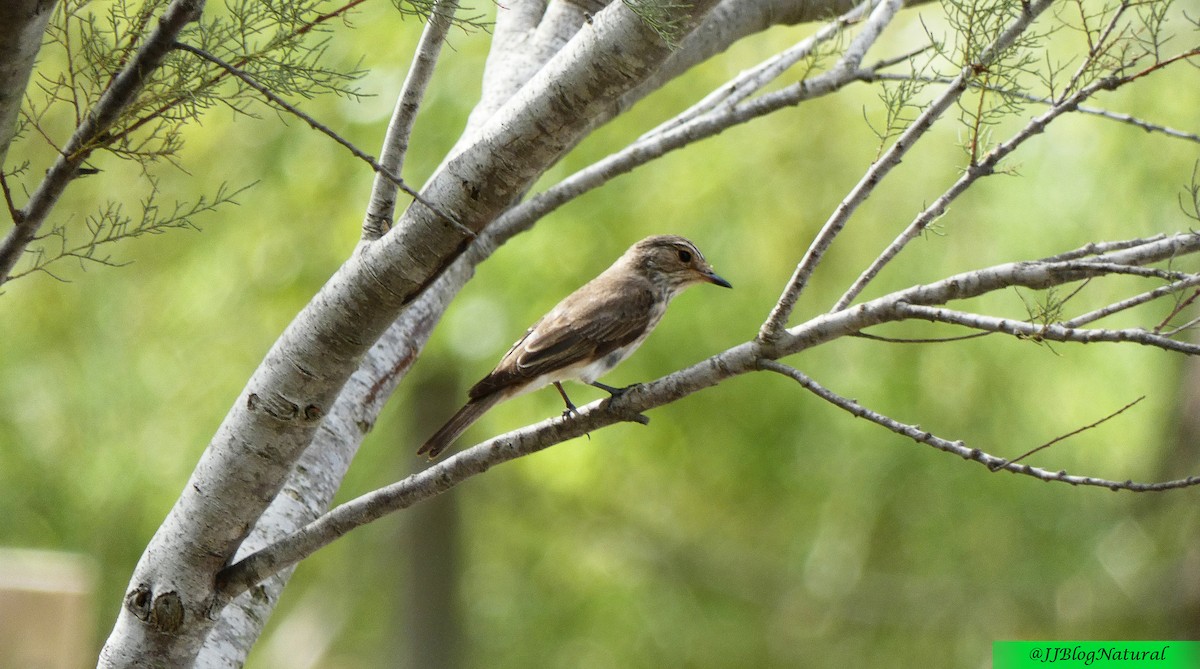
(571,411)
(570,407)
(615,392)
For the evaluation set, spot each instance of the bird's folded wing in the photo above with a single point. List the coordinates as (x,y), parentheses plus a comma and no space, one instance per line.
(575,331)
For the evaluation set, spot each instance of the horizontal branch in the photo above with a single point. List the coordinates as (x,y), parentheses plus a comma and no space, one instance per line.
(1042,331)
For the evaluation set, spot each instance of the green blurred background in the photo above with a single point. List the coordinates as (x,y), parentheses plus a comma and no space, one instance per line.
(747,525)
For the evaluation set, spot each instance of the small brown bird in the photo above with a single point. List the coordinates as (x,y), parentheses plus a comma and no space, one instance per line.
(591,331)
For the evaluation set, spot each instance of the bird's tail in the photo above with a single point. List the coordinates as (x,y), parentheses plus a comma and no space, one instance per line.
(458,424)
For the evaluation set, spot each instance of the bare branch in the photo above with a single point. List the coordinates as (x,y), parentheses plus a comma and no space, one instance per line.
(1070,434)
(1101,248)
(772,329)
(439,477)
(1131,302)
(750,81)
(382,203)
(1038,332)
(959,448)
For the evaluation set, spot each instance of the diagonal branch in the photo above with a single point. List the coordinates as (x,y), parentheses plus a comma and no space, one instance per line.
(1136,300)
(1079,430)
(124,88)
(382,203)
(672,135)
(774,326)
(727,96)
(959,448)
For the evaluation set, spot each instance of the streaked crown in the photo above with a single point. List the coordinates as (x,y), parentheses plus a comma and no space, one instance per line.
(672,262)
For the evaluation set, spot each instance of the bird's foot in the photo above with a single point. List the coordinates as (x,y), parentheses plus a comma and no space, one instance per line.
(615,392)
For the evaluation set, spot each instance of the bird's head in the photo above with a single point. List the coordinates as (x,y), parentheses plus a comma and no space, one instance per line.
(672,262)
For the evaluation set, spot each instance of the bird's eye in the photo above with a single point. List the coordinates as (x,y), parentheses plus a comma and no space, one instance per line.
(685,256)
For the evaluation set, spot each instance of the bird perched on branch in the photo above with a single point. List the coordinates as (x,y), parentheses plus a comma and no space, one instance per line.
(591,331)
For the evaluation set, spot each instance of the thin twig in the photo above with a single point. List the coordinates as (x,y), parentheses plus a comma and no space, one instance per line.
(919,340)
(776,322)
(1186,326)
(873,74)
(1134,301)
(959,448)
(1068,435)
(325,130)
(977,170)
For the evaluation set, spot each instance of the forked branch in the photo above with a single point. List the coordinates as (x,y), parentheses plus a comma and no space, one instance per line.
(1127,257)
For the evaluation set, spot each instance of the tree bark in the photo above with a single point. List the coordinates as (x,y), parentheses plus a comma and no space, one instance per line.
(171,603)
(22,26)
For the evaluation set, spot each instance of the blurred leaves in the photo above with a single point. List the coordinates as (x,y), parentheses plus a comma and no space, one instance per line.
(750,525)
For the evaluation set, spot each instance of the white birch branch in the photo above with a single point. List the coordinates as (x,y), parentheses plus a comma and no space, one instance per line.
(752,80)
(22,27)
(381,207)
(1041,331)
(169,607)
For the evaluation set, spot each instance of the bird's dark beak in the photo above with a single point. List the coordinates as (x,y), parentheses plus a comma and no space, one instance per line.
(711,277)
